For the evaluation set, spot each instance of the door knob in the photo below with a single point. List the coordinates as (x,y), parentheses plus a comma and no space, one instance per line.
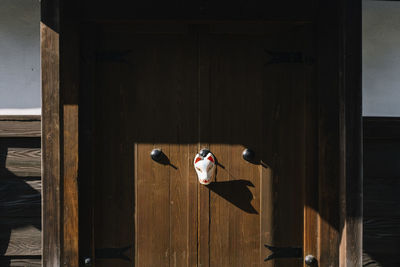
(248,154)
(310,260)
(156,154)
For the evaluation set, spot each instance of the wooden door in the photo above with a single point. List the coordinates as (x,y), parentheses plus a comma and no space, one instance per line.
(182,87)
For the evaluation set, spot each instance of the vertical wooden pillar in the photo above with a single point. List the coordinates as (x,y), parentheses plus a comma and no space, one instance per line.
(50,58)
(339,223)
(352,210)
(69,85)
(60,80)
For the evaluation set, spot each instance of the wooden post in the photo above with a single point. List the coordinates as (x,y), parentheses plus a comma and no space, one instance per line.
(352,185)
(60,80)
(339,222)
(50,58)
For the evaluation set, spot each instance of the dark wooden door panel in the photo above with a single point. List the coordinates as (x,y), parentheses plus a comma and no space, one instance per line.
(235,68)
(149,76)
(256,101)
(179,88)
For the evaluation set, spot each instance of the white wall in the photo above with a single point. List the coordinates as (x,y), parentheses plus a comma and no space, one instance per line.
(381,58)
(19,57)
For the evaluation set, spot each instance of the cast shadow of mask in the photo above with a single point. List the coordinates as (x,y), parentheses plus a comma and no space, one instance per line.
(236,192)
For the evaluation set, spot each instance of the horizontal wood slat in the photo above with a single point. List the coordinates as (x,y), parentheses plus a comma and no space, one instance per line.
(23,162)
(24,241)
(19,126)
(381,128)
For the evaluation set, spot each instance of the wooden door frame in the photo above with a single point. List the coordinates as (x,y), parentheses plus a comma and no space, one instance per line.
(333,216)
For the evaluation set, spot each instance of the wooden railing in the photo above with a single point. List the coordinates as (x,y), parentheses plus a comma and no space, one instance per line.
(381,235)
(20,191)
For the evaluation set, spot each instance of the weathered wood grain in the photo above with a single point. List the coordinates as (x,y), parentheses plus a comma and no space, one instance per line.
(50,59)
(177,221)
(28,128)
(22,162)
(69,86)
(24,241)
(203,141)
(330,159)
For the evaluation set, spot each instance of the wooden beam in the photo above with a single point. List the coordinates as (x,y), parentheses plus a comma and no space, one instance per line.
(60,85)
(69,91)
(51,180)
(329,138)
(340,154)
(20,126)
(352,210)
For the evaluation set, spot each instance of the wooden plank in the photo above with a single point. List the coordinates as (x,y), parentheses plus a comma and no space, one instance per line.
(50,57)
(173,112)
(183,184)
(23,241)
(330,156)
(20,118)
(311,216)
(234,64)
(149,120)
(284,152)
(381,129)
(70,204)
(21,162)
(191,10)
(153,242)
(20,157)
(69,75)
(87,142)
(381,216)
(351,55)
(340,175)
(114,157)
(23,128)
(203,141)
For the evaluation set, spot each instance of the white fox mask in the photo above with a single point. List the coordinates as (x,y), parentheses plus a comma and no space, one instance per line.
(205,168)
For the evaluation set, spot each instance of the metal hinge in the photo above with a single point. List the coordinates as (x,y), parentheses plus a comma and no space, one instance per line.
(277,57)
(108,253)
(285,252)
(112,253)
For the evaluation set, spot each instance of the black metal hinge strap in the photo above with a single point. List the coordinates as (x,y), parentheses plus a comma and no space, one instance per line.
(112,253)
(278,57)
(287,252)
